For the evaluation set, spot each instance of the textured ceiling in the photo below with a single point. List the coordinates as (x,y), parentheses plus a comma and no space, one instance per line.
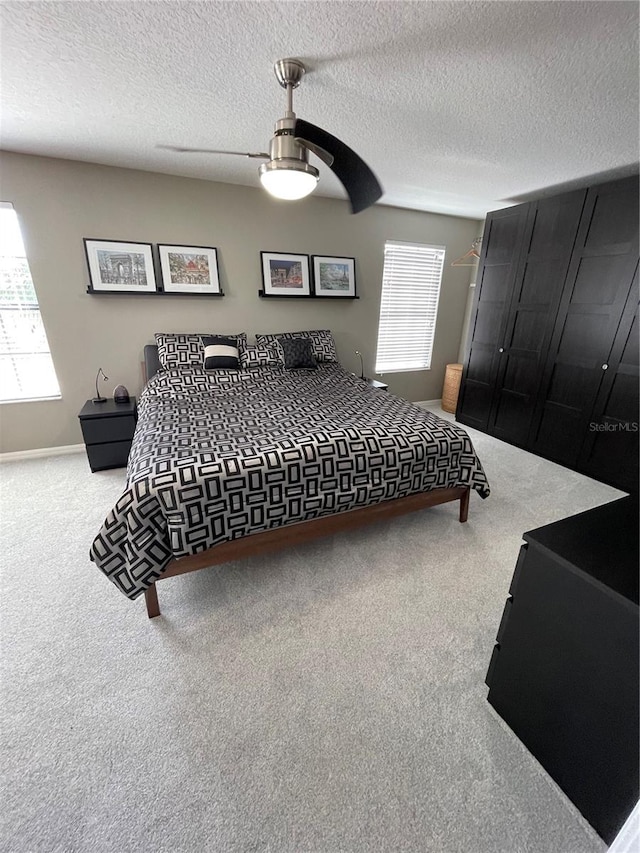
(459,107)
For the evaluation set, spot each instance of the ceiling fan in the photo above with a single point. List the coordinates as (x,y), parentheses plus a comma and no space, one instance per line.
(288,174)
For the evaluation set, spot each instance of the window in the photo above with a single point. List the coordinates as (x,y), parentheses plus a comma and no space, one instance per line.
(26,368)
(410,291)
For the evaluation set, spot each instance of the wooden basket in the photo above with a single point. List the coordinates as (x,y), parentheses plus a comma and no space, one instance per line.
(452,378)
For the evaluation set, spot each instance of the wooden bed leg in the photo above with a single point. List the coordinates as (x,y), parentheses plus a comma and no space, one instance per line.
(151,600)
(464,505)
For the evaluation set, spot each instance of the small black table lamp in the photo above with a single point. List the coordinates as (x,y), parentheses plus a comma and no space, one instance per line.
(98,398)
(357,352)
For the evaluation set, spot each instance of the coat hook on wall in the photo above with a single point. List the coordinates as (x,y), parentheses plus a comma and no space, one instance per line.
(473,254)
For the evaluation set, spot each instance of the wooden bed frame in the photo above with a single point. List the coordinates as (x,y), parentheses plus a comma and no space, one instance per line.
(304,531)
(293,534)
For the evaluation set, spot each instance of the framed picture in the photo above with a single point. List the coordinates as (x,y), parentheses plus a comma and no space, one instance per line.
(285,275)
(189,269)
(334,276)
(120,267)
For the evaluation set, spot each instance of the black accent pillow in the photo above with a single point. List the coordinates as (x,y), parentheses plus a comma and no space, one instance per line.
(298,352)
(220,353)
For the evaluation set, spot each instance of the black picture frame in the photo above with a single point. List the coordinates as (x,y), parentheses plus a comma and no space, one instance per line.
(281,277)
(205,273)
(114,266)
(334,277)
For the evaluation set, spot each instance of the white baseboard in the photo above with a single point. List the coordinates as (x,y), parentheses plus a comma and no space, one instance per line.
(429,402)
(41,452)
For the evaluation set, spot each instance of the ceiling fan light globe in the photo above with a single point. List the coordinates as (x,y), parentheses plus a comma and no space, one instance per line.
(288,180)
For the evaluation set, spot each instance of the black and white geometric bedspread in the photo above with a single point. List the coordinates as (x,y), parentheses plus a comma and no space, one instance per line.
(217,456)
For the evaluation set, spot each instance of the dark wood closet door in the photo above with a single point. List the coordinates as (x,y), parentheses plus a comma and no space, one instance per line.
(610,452)
(501,247)
(551,230)
(598,284)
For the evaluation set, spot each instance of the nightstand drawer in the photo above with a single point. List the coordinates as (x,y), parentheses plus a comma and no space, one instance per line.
(101,430)
(112,455)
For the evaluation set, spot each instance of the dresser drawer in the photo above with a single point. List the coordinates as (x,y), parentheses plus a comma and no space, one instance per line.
(492,664)
(504,620)
(101,430)
(518,569)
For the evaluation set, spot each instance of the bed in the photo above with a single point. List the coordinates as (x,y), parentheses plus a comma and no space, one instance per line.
(229,463)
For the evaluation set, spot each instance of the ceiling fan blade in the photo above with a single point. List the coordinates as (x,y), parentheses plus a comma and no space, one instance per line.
(356,177)
(181,150)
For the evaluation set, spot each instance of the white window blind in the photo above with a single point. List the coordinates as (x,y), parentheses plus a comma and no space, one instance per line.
(26,368)
(409,306)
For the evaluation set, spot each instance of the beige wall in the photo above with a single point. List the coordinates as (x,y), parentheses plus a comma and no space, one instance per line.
(59,202)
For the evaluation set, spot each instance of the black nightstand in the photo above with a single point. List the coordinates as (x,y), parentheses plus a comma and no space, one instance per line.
(107,429)
(375,383)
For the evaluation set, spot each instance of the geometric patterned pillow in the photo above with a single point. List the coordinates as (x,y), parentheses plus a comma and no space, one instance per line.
(255,356)
(185,349)
(298,352)
(324,347)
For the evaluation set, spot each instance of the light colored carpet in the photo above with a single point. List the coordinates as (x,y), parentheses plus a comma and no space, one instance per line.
(328,699)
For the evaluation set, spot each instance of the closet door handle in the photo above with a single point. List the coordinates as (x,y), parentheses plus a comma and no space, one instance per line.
(605,366)
(501,349)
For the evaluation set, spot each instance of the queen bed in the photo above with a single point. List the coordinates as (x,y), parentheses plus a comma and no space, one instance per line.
(230,462)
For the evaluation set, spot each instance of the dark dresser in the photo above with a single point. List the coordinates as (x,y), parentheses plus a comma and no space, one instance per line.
(564,671)
(107,429)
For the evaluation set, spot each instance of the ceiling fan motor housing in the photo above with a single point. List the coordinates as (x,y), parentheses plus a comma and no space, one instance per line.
(285,151)
(284,145)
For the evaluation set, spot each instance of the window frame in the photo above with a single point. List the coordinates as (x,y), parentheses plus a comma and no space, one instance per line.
(402,286)
(15,298)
